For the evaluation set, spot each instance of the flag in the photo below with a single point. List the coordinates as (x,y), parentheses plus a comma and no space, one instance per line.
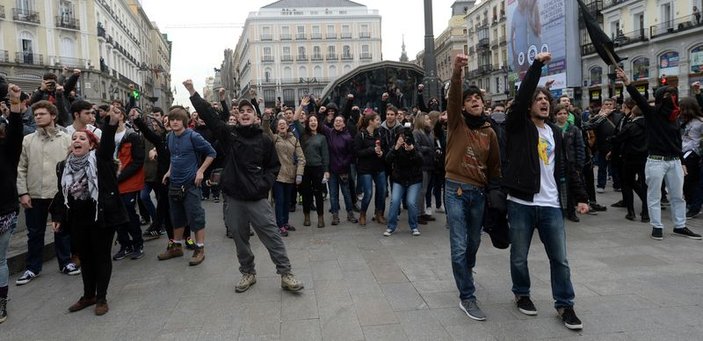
(601,42)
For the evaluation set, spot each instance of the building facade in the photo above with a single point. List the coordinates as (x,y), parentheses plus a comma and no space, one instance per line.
(292,48)
(106,40)
(660,38)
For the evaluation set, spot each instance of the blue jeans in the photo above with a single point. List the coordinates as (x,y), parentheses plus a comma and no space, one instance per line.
(36,227)
(189,211)
(549,221)
(605,169)
(379,178)
(337,182)
(145,197)
(130,234)
(4,248)
(465,218)
(282,196)
(655,171)
(397,193)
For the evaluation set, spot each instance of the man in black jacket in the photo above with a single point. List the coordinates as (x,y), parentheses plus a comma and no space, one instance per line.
(536,183)
(250,168)
(664,154)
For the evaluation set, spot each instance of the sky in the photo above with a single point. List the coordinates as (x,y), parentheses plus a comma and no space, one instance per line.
(196,51)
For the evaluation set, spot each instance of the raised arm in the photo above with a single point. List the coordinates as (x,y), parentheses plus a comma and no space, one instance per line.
(454,101)
(520,110)
(206,112)
(107,140)
(634,94)
(420,89)
(14,136)
(70,84)
(148,134)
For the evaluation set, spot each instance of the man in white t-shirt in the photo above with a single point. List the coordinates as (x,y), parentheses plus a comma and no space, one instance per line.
(536,179)
(83,115)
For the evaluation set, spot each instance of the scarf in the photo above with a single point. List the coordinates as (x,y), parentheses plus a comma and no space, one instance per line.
(80,178)
(474,122)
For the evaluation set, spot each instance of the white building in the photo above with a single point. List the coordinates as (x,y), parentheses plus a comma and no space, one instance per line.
(291,48)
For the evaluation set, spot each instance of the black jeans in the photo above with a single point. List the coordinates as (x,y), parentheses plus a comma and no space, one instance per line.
(130,234)
(690,181)
(633,180)
(95,243)
(312,187)
(163,218)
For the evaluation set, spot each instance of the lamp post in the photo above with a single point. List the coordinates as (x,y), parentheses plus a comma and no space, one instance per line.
(431,81)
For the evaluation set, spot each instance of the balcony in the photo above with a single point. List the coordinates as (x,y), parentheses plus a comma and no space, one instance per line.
(348,56)
(485,69)
(365,56)
(4,56)
(673,26)
(611,3)
(494,44)
(267,59)
(316,57)
(364,35)
(331,35)
(286,36)
(587,49)
(630,37)
(29,58)
(287,59)
(502,40)
(69,62)
(68,22)
(302,58)
(101,32)
(317,35)
(332,56)
(483,42)
(2,11)
(346,35)
(471,50)
(25,16)
(301,36)
(266,37)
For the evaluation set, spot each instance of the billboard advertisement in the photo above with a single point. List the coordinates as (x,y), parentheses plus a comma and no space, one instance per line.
(537,26)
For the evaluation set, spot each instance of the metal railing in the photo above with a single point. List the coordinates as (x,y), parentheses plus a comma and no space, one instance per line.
(316,57)
(301,57)
(587,49)
(676,25)
(68,22)
(332,56)
(101,32)
(484,69)
(331,35)
(346,35)
(266,37)
(623,39)
(286,36)
(611,3)
(364,35)
(300,36)
(69,61)
(267,59)
(29,58)
(287,58)
(24,15)
(483,42)
(348,56)
(316,35)
(4,56)
(364,56)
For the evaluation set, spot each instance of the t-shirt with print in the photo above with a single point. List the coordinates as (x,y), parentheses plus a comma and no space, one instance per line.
(548,192)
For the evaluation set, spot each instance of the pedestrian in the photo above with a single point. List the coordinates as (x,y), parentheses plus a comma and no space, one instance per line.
(41,151)
(83,116)
(86,202)
(632,140)
(155,166)
(472,169)
(691,121)
(184,178)
(422,134)
(575,152)
(11,134)
(697,14)
(536,179)
(316,173)
(371,166)
(664,149)
(406,179)
(250,168)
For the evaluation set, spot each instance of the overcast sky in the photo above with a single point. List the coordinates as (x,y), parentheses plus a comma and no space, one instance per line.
(196,51)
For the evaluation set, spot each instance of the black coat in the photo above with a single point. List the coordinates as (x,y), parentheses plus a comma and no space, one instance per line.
(367,160)
(10,151)
(405,166)
(111,209)
(631,141)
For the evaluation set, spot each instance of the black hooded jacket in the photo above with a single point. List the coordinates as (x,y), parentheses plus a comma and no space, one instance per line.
(663,134)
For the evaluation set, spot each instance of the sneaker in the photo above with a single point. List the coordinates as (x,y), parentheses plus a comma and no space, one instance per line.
(245,283)
(151,234)
(472,310)
(71,270)
(685,232)
(388,232)
(428,211)
(657,234)
(525,305)
(137,253)
(27,277)
(692,213)
(198,256)
(619,204)
(3,309)
(600,190)
(124,251)
(290,227)
(665,201)
(597,207)
(618,189)
(283,231)
(190,244)
(290,283)
(440,209)
(173,250)
(82,303)
(416,232)
(569,317)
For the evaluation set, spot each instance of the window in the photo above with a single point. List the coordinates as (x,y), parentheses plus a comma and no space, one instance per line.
(285,33)
(302,72)
(331,34)
(67,49)
(267,52)
(316,32)
(346,32)
(266,33)
(347,68)
(301,52)
(364,31)
(286,50)
(317,72)
(666,15)
(301,32)
(346,52)
(316,54)
(267,75)
(287,73)
(333,71)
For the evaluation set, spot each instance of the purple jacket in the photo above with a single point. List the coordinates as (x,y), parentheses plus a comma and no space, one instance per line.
(341,148)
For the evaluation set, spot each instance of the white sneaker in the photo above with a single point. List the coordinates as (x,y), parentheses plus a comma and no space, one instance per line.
(440,209)
(416,232)
(428,211)
(600,190)
(27,277)
(71,269)
(388,232)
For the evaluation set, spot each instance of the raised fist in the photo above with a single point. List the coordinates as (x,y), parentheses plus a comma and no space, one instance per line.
(188,83)
(544,57)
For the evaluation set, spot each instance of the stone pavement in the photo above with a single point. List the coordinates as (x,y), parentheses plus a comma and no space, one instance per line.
(361,285)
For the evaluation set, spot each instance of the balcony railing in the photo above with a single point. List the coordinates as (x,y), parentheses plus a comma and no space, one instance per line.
(316,35)
(587,49)
(483,42)
(29,58)
(365,35)
(2,11)
(69,62)
(23,15)
(101,31)
(316,57)
(300,36)
(630,37)
(347,57)
(365,56)
(332,56)
(502,40)
(677,25)
(494,43)
(471,50)
(346,35)
(286,36)
(287,58)
(331,35)
(267,59)
(611,3)
(485,69)
(266,37)
(68,22)
(302,57)
(4,56)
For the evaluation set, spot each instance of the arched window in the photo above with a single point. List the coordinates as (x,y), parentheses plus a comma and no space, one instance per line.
(640,68)
(596,74)
(317,72)
(696,59)
(668,63)
(347,68)
(267,75)
(302,72)
(333,71)
(287,73)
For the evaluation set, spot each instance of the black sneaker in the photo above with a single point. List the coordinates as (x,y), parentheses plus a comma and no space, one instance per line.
(618,204)
(144,221)
(570,319)
(598,208)
(3,309)
(137,253)
(657,234)
(685,232)
(525,305)
(122,254)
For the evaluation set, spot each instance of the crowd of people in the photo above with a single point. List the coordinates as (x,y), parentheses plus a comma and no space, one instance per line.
(507,169)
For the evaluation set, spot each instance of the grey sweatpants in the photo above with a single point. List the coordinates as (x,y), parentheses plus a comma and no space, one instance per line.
(238,215)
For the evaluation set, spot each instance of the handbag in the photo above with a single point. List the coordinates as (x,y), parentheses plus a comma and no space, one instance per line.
(177,194)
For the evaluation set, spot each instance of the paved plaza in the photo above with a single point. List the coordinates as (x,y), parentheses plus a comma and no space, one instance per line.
(360,285)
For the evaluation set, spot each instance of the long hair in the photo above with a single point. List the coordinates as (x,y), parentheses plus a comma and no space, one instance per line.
(420,122)
(308,130)
(689,108)
(365,120)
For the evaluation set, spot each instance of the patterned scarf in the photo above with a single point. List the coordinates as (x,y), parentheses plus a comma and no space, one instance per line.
(80,178)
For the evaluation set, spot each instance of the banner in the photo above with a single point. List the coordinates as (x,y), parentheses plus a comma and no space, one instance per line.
(669,64)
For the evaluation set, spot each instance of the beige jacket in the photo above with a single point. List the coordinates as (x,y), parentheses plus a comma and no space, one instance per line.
(41,151)
(289,150)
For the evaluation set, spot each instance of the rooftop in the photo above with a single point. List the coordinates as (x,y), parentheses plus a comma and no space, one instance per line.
(312,3)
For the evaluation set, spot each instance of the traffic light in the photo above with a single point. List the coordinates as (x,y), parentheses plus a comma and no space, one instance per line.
(662,81)
(136,94)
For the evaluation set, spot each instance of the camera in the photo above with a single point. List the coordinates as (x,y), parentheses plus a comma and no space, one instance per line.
(408,134)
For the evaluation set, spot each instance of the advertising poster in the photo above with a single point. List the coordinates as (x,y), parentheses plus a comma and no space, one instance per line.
(669,64)
(697,59)
(537,26)
(640,68)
